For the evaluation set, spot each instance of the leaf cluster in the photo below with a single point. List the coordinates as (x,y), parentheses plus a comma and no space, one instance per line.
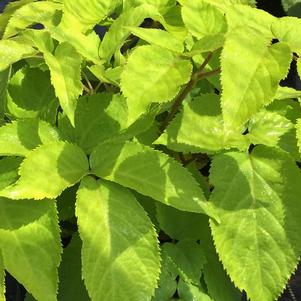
(156,162)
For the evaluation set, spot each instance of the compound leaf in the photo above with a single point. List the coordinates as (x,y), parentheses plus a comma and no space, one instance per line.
(152,66)
(30,244)
(120,254)
(47,171)
(21,136)
(258,203)
(151,173)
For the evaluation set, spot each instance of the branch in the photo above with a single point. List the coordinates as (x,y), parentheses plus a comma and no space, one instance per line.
(180,98)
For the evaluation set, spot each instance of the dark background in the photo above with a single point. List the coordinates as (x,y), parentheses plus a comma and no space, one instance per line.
(15,291)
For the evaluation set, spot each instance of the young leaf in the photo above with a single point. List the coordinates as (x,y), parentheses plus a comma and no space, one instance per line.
(71,286)
(152,66)
(258,203)
(65,68)
(12,51)
(263,67)
(120,254)
(151,173)
(267,127)
(158,37)
(47,171)
(30,244)
(19,137)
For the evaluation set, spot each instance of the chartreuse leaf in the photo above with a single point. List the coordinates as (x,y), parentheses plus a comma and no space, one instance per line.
(162,5)
(89,12)
(151,173)
(161,69)
(47,171)
(98,118)
(285,30)
(30,244)
(30,93)
(9,10)
(42,12)
(19,137)
(2,279)
(204,21)
(267,127)
(199,127)
(247,17)
(65,70)
(119,30)
(287,92)
(12,51)
(258,205)
(247,52)
(290,109)
(188,258)
(120,254)
(158,37)
(71,286)
(218,283)
(9,170)
(86,44)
